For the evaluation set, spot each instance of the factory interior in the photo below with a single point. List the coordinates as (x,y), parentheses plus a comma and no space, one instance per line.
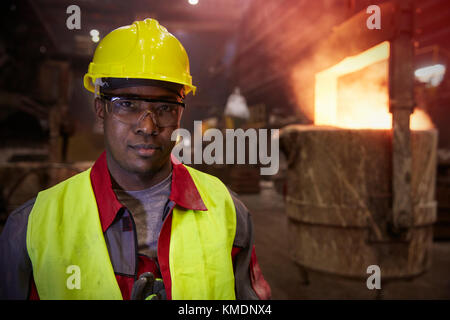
(354,93)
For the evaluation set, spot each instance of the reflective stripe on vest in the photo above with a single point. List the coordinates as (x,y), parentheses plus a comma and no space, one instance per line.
(66,245)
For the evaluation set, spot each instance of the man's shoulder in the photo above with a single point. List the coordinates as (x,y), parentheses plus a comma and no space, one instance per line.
(238,204)
(203,175)
(241,209)
(19,216)
(71,180)
(24,209)
(22,212)
(49,193)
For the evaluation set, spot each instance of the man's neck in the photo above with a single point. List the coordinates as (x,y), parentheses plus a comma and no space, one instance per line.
(130,181)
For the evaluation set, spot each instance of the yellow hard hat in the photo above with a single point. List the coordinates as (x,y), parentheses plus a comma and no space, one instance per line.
(143,50)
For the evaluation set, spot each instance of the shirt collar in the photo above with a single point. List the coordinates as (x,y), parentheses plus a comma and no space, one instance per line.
(183,190)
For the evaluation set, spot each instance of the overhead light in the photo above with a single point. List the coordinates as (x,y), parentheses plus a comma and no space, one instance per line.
(95,35)
(432,75)
(193,2)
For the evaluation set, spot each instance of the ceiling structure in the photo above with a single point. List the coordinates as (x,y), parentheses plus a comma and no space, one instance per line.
(178,16)
(34,30)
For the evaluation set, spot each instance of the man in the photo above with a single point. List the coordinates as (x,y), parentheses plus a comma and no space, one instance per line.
(138,224)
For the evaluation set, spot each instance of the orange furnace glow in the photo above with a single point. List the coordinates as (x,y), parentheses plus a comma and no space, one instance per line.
(354,93)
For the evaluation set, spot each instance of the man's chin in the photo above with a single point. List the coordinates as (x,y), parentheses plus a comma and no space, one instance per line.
(147,165)
(144,169)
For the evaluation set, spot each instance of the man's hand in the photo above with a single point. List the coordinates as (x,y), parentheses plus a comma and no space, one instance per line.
(148,288)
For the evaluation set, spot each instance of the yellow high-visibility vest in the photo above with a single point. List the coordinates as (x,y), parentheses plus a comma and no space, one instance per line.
(70,259)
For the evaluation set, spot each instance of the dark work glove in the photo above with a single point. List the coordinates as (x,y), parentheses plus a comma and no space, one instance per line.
(148,288)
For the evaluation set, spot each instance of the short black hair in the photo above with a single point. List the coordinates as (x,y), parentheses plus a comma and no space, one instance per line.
(116,83)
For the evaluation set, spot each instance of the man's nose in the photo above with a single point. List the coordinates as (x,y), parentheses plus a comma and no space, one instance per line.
(146,125)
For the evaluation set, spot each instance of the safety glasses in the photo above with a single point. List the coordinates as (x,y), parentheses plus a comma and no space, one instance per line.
(132,110)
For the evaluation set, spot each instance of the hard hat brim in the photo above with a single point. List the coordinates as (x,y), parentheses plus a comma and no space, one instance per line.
(89,81)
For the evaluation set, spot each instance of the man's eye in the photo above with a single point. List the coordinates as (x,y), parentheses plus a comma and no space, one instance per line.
(164,108)
(125,104)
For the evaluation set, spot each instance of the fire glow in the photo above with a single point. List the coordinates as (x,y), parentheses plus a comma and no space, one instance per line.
(354,93)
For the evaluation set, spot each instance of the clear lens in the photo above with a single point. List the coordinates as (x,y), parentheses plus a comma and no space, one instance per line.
(131,111)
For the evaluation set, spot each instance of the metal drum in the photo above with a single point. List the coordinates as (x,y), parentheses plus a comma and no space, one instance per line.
(339,201)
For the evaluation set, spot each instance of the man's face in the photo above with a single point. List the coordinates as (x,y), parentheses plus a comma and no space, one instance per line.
(141,147)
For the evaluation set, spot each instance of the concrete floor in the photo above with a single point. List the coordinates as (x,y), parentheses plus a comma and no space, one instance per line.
(267,209)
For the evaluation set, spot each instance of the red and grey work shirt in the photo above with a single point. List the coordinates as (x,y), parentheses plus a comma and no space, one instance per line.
(120,232)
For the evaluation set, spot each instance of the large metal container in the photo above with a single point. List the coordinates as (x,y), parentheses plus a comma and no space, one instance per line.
(339,201)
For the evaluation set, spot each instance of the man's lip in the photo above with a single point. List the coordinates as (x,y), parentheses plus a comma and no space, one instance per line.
(145,150)
(144,146)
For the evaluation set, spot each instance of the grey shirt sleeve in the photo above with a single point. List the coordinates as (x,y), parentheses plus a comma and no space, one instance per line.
(243,239)
(15,264)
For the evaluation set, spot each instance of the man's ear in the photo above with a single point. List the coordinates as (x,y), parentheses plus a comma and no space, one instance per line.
(99,106)
(180,115)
